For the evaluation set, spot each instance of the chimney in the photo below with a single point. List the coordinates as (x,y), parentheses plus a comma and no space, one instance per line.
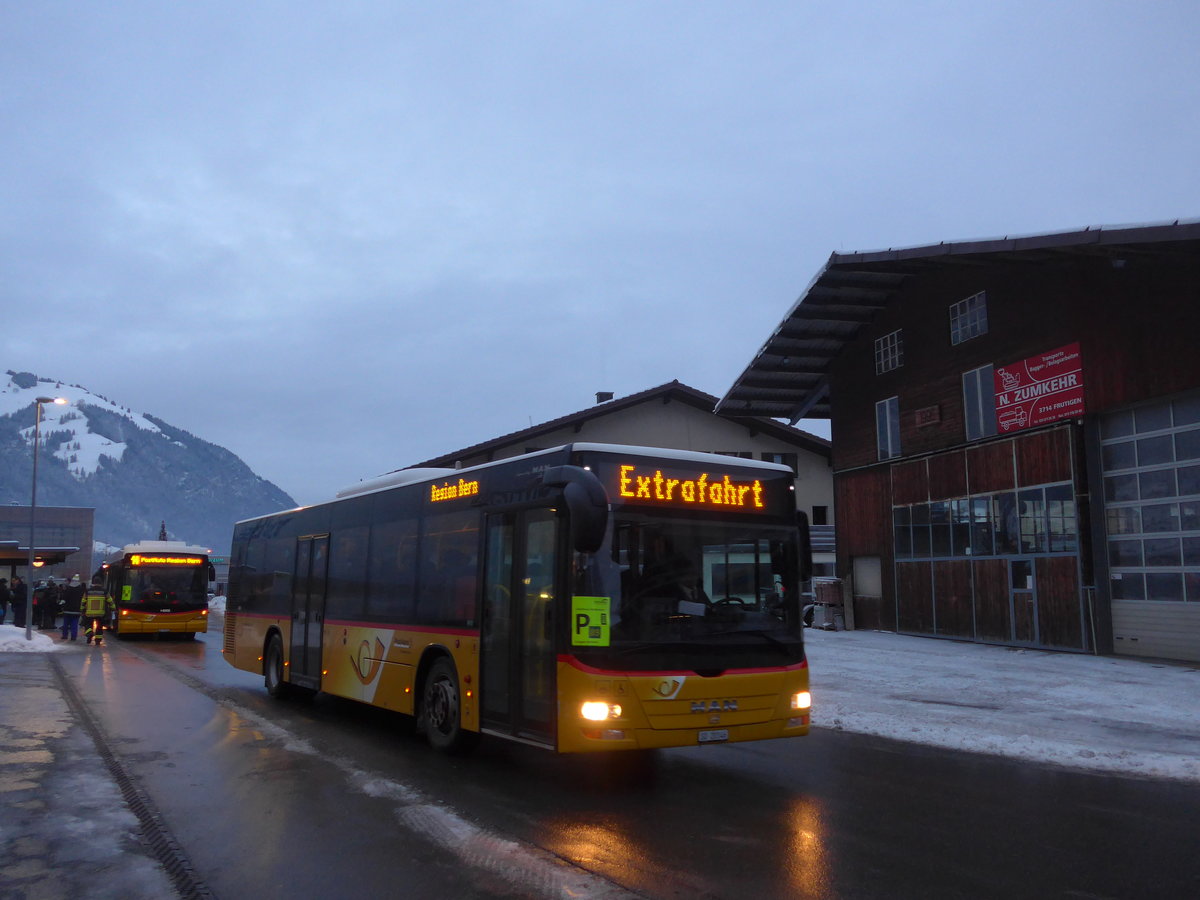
(602,396)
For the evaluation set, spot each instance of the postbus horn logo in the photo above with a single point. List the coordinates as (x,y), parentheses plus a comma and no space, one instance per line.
(365,667)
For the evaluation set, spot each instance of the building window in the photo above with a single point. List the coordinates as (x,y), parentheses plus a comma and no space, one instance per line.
(820,515)
(979,403)
(739,454)
(887,427)
(968,318)
(889,352)
(788,459)
(1038,520)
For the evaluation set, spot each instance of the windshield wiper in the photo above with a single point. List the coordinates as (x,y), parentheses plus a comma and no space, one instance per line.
(756,632)
(653,645)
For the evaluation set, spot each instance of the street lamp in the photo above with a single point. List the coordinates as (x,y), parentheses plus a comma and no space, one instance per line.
(37,430)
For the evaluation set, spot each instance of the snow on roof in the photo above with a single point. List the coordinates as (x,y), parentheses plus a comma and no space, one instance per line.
(164,547)
(393,479)
(416,474)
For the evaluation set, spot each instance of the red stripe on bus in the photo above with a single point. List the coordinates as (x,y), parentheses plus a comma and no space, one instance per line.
(592,670)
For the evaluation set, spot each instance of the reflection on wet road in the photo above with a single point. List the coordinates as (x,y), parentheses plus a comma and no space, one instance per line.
(303,792)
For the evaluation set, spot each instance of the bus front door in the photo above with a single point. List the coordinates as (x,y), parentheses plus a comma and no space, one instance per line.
(518,683)
(308,610)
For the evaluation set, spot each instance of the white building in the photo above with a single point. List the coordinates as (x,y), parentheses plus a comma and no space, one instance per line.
(679,417)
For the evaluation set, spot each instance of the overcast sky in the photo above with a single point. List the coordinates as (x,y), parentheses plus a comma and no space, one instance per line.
(341,238)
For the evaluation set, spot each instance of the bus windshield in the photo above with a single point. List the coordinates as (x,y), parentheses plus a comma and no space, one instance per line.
(695,594)
(169,587)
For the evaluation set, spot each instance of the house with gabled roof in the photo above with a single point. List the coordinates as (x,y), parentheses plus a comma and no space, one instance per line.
(678,417)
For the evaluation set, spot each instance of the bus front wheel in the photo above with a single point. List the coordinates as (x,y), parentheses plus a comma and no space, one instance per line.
(273,668)
(441,710)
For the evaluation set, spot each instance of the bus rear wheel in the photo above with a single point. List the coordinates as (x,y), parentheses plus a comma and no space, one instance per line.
(273,668)
(441,710)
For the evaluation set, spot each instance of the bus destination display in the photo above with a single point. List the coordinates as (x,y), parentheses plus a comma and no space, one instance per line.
(645,484)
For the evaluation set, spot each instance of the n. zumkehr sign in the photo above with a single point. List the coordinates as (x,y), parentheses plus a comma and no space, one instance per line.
(1039,389)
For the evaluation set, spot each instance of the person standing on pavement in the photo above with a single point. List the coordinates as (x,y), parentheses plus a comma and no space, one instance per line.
(95,609)
(43,594)
(39,592)
(50,601)
(19,596)
(5,597)
(73,595)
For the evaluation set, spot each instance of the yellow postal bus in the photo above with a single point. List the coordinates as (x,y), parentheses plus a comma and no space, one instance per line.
(159,587)
(590,597)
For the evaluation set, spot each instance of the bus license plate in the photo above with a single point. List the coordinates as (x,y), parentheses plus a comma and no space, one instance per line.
(719,734)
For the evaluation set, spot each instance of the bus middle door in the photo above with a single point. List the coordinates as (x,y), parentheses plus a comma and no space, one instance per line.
(518,691)
(308,610)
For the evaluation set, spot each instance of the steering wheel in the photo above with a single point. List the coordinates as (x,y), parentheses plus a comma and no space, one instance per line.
(729,601)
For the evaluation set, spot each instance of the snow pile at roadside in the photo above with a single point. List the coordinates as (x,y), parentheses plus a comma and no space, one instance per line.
(1106,713)
(12,640)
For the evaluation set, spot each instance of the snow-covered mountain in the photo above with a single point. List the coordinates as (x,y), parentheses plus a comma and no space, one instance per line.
(135,469)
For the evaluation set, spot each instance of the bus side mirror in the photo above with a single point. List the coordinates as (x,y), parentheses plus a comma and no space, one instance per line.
(587,505)
(806,566)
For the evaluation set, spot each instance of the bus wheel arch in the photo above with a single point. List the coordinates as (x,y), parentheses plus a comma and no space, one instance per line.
(274,664)
(439,706)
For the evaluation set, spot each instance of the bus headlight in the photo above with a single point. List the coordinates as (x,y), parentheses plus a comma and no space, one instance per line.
(598,711)
(802,700)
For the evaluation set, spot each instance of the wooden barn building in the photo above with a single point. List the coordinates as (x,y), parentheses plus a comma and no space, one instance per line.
(1015,434)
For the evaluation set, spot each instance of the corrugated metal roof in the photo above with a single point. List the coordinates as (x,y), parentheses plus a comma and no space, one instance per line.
(789,376)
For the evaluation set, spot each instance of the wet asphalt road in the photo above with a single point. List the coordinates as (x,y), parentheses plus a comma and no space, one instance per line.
(327,798)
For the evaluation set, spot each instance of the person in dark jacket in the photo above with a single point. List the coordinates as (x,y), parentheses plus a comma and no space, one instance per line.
(19,596)
(72,607)
(49,612)
(39,592)
(5,597)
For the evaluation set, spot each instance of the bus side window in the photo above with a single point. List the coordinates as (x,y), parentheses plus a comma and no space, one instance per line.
(459,580)
(448,569)
(392,569)
(347,566)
